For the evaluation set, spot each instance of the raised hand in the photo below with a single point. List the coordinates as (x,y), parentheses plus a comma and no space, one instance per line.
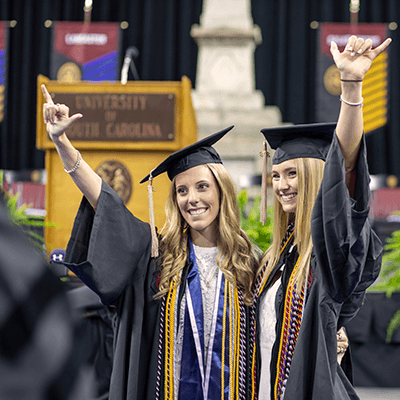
(56,116)
(356,58)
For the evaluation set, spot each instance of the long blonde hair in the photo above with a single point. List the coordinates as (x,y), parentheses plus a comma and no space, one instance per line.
(235,256)
(309,176)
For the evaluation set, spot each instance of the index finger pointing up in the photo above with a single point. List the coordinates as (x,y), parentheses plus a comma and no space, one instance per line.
(46,94)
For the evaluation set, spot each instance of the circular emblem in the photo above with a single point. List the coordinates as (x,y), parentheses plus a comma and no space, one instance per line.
(69,72)
(117,176)
(392,181)
(36,176)
(332,80)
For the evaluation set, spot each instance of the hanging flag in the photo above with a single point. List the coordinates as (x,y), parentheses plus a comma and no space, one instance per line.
(375,85)
(84,52)
(3,66)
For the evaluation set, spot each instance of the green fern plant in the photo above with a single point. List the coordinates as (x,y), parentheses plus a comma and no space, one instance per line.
(19,217)
(259,234)
(393,325)
(389,278)
(390,273)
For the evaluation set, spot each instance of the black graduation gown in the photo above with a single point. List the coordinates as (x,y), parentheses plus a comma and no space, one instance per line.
(97,334)
(110,252)
(345,262)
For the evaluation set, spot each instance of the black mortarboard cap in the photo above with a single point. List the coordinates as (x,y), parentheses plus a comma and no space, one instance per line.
(300,141)
(198,153)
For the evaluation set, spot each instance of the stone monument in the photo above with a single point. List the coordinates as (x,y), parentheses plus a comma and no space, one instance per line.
(225,91)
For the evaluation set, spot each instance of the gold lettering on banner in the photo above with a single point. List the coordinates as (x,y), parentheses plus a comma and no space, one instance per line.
(113,102)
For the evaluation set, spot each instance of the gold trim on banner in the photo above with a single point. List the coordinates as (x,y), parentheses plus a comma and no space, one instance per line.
(375,91)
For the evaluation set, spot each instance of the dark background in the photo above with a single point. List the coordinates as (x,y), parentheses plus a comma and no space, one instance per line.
(375,362)
(160,29)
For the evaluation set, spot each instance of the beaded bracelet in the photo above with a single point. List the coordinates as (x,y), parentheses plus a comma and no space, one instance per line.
(77,164)
(361,103)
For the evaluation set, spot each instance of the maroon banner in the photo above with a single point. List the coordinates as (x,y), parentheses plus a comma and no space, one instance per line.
(87,52)
(375,84)
(340,33)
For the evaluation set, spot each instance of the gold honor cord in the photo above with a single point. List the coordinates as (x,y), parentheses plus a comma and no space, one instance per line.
(223,341)
(290,314)
(253,361)
(170,342)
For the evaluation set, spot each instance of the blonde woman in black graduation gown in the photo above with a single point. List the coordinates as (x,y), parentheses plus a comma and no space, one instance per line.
(324,253)
(182,318)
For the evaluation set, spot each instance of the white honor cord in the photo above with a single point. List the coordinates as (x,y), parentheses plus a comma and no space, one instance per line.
(195,332)
(205,380)
(212,335)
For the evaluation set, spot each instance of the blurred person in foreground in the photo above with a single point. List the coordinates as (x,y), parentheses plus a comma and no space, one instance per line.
(40,354)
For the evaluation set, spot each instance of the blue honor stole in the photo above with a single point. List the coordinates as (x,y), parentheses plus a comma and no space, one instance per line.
(205,376)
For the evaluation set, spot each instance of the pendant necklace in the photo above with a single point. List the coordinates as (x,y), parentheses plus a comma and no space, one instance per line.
(211,275)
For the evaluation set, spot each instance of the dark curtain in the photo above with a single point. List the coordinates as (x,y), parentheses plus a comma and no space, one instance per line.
(285,64)
(160,29)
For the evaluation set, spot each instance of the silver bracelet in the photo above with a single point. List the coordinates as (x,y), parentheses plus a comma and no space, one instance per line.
(361,103)
(77,164)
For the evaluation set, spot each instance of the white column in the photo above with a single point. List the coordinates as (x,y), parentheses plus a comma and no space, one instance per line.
(225,91)
(232,13)
(227,39)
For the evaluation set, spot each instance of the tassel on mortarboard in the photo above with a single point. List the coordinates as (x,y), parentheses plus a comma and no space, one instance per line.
(264,176)
(154,238)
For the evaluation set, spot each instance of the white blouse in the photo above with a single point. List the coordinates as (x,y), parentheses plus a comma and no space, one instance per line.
(267,338)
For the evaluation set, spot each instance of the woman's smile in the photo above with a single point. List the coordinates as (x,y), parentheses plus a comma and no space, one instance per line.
(197,211)
(197,196)
(284,183)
